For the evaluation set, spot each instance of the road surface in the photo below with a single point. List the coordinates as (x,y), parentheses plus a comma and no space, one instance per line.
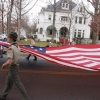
(46,81)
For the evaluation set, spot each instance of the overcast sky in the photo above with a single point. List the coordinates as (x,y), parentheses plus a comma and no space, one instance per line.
(42,3)
(36,9)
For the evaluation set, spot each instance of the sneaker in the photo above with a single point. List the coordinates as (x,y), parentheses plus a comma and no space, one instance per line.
(27,58)
(35,59)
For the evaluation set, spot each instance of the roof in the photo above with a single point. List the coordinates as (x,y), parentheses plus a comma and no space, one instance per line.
(58,6)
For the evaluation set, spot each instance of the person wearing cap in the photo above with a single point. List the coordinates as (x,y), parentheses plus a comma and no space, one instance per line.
(32,43)
(13,58)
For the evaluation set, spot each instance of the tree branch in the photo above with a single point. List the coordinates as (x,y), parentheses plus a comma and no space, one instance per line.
(86,9)
(30,8)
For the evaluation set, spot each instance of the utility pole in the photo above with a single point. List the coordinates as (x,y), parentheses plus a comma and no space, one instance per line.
(54,15)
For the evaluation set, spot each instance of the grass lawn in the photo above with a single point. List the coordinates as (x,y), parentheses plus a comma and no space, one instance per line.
(23,42)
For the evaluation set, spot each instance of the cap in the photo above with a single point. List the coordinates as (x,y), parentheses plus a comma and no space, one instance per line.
(13,35)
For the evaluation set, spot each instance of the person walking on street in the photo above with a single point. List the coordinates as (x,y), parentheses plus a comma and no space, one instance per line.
(13,58)
(32,43)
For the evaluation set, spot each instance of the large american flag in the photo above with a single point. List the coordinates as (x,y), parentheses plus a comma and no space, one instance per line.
(77,56)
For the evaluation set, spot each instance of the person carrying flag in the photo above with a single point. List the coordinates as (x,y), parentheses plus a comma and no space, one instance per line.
(13,55)
(32,43)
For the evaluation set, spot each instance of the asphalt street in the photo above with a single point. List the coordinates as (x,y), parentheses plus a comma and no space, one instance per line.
(46,81)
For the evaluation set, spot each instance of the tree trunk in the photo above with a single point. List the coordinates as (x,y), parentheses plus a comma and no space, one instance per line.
(2,17)
(69,30)
(95,34)
(69,33)
(96,19)
(19,19)
(54,15)
(9,17)
(94,38)
(8,23)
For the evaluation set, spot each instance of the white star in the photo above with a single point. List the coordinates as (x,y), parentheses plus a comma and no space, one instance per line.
(40,49)
(32,47)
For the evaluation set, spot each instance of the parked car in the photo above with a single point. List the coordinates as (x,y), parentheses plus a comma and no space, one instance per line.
(22,37)
(3,37)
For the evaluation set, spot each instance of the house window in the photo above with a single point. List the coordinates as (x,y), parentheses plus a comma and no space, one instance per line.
(38,21)
(63,18)
(76,20)
(41,30)
(49,18)
(75,34)
(65,5)
(80,9)
(55,17)
(79,33)
(83,34)
(84,20)
(80,20)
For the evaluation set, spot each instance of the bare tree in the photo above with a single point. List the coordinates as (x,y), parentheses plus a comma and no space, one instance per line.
(94,14)
(16,9)
(54,10)
(19,18)
(72,14)
(2,15)
(71,17)
(9,16)
(21,6)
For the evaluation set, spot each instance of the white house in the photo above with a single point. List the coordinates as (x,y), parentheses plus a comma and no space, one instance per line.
(69,15)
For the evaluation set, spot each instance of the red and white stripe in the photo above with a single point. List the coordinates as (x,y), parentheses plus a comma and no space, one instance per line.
(54,59)
(77,56)
(87,56)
